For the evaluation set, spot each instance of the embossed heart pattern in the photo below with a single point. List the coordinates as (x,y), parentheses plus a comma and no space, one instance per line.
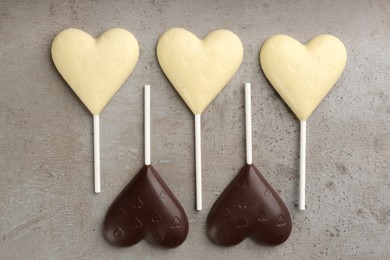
(249,207)
(146,208)
(303,74)
(199,69)
(95,68)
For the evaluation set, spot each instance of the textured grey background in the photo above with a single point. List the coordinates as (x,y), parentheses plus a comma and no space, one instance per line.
(47,207)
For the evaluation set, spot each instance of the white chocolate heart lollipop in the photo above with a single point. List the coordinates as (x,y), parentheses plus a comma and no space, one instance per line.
(95,69)
(199,70)
(303,75)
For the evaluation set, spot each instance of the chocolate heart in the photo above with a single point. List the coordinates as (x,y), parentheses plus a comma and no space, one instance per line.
(199,69)
(95,68)
(146,208)
(303,74)
(249,206)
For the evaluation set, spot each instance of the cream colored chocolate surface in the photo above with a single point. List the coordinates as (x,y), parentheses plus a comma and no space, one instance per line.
(303,74)
(199,69)
(95,68)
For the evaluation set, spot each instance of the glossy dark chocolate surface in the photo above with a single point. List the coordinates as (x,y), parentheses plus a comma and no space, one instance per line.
(146,208)
(249,207)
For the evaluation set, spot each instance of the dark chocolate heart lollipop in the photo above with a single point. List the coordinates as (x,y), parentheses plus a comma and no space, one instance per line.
(249,206)
(146,208)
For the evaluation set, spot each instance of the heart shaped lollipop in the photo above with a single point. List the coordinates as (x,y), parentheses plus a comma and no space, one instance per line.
(95,69)
(146,208)
(303,75)
(199,70)
(249,206)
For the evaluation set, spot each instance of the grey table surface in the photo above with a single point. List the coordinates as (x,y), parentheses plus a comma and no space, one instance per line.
(47,206)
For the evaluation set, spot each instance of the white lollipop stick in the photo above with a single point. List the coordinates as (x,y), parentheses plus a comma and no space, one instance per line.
(96,147)
(248,123)
(198,163)
(147,124)
(302,167)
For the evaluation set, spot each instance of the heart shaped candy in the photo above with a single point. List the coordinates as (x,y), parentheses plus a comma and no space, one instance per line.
(146,208)
(199,69)
(95,68)
(249,206)
(303,74)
